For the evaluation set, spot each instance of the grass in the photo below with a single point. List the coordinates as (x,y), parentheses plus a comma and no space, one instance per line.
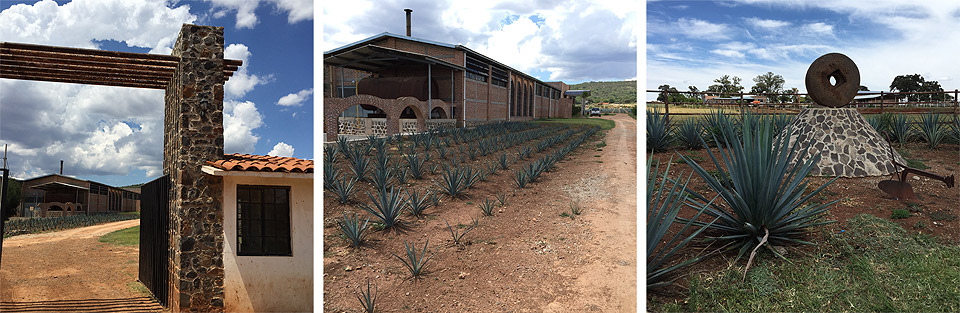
(875,266)
(602,123)
(124,237)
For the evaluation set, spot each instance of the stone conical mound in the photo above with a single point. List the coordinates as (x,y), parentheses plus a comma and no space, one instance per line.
(848,146)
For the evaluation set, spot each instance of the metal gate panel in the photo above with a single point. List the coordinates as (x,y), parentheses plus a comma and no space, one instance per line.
(154,237)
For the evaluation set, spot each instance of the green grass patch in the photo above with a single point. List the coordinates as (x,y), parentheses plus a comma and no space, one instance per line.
(124,237)
(874,266)
(899,214)
(602,123)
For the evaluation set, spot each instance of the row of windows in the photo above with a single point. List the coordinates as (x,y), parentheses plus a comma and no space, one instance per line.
(476,70)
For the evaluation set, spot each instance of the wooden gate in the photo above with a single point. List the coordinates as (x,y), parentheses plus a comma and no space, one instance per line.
(155,237)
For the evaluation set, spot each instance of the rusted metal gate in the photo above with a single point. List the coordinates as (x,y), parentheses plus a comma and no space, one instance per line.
(154,237)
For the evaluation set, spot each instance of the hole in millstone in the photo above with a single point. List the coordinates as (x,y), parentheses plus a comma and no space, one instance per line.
(837,78)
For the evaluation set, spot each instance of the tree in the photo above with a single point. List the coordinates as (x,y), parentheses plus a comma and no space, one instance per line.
(768,83)
(790,95)
(864,88)
(725,86)
(12,201)
(672,96)
(908,83)
(697,97)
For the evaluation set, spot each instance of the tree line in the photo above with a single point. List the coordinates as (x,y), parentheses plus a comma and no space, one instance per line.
(771,83)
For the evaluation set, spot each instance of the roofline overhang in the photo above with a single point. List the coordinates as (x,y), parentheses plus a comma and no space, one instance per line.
(210,170)
(362,42)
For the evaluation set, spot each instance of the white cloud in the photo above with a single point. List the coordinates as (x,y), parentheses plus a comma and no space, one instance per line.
(571,40)
(767,24)
(728,53)
(297,10)
(241,82)
(819,28)
(148,24)
(239,121)
(96,130)
(697,28)
(295,99)
(281,149)
(246,18)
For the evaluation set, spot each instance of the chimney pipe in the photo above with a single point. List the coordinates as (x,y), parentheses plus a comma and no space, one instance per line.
(408,20)
(61,167)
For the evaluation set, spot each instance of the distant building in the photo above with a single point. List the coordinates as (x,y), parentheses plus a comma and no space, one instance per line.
(389,84)
(57,195)
(875,98)
(747,99)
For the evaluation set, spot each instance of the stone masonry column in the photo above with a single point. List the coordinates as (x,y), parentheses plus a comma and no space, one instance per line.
(193,134)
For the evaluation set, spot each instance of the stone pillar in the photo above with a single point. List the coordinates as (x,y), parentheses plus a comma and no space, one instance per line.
(193,134)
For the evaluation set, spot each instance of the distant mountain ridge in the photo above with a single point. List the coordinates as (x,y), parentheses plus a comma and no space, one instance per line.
(612,92)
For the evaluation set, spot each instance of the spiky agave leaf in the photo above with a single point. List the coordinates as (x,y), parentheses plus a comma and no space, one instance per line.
(931,130)
(368,299)
(664,200)
(415,263)
(330,175)
(901,129)
(767,191)
(416,165)
(658,131)
(387,206)
(457,234)
(689,134)
(487,207)
(353,229)
(417,201)
(343,188)
(454,180)
(955,129)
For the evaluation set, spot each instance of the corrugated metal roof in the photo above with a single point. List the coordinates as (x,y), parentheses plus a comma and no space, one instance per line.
(366,41)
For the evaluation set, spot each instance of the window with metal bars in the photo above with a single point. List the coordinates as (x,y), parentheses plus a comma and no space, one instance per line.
(499,77)
(477,70)
(263,221)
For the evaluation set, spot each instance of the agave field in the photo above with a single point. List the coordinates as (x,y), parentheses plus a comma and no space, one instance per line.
(732,226)
(411,219)
(37,225)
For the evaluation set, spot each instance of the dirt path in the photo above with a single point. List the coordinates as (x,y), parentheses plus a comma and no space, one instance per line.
(610,281)
(71,270)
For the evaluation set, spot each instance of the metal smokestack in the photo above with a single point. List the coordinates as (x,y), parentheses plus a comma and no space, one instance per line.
(61,167)
(408,20)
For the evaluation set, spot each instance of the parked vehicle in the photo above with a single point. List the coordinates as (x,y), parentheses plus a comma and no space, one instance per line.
(595,112)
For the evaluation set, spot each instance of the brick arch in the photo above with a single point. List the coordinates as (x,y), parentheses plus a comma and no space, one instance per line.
(333,107)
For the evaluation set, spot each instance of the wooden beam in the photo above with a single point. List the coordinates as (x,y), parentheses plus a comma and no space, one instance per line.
(82,81)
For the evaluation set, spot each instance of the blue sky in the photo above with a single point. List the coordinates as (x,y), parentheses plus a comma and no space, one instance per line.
(695,42)
(113,134)
(571,40)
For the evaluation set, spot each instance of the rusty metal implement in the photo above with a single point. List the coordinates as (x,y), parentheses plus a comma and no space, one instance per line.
(902,190)
(846,80)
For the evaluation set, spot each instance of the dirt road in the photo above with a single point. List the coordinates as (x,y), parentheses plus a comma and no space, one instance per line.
(71,270)
(610,281)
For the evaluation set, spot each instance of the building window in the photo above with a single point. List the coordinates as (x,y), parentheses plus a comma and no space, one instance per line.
(263,221)
(477,70)
(499,77)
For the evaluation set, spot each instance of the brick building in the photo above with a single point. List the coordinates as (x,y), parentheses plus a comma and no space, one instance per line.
(387,84)
(58,195)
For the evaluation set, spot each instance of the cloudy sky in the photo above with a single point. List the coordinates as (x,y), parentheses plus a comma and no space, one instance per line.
(695,42)
(570,40)
(114,135)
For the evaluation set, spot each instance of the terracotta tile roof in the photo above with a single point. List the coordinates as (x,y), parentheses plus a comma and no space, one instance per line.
(262,163)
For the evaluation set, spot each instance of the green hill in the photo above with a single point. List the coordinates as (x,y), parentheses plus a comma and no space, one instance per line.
(613,92)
